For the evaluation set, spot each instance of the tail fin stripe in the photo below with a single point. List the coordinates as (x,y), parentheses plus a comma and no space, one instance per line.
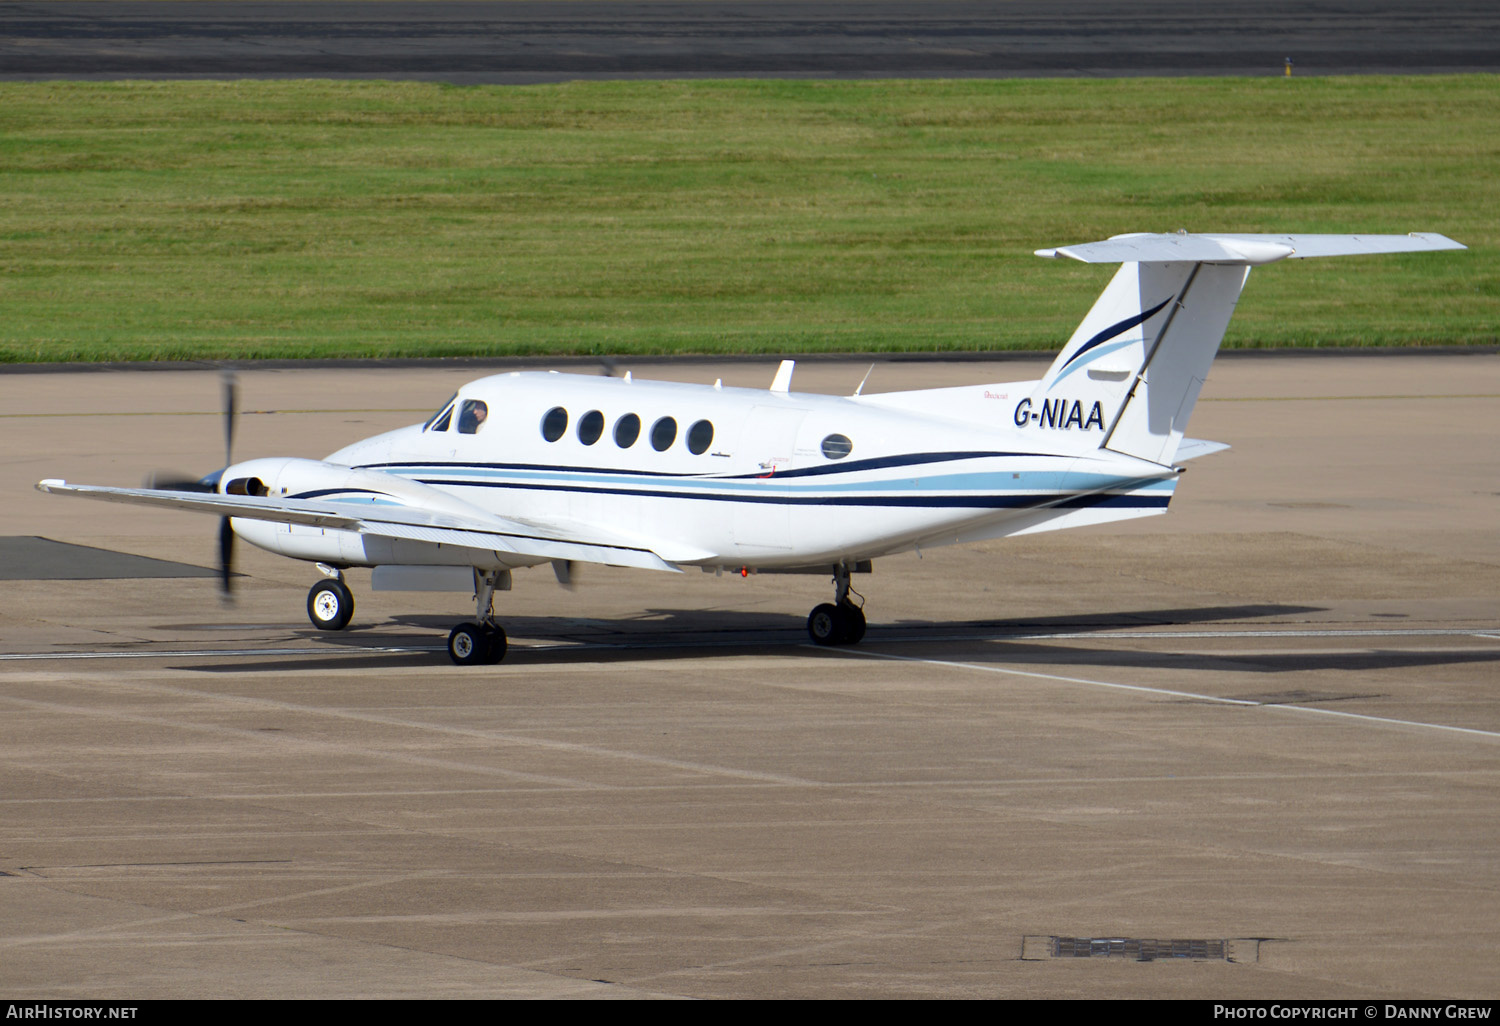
(1115,329)
(1123,343)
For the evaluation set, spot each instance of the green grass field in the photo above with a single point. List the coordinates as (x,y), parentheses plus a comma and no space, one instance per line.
(192,220)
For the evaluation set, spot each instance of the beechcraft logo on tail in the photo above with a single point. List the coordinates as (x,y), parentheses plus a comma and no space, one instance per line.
(1060,413)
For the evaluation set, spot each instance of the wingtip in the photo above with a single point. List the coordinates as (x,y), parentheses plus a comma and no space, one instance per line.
(47,484)
(1437,240)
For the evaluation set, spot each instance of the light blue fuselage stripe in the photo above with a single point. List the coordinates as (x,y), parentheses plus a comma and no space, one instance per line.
(938,483)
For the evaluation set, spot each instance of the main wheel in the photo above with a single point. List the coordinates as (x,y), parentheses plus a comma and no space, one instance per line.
(330,605)
(823,624)
(842,624)
(851,623)
(496,640)
(469,645)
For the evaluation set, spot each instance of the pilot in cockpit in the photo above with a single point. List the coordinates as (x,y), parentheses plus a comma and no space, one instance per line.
(472,416)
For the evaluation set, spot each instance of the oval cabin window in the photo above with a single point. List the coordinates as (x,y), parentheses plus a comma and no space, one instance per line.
(699,437)
(836,447)
(590,427)
(627,430)
(555,423)
(663,434)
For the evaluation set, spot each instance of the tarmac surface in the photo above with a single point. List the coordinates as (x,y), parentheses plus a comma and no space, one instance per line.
(1265,726)
(520,42)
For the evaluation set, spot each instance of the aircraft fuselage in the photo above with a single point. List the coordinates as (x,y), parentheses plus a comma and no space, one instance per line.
(713,476)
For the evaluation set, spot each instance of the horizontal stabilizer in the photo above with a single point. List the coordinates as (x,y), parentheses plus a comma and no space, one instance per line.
(1243,249)
(1192,448)
(1129,377)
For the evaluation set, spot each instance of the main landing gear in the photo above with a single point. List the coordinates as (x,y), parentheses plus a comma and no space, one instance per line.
(330,606)
(476,644)
(840,622)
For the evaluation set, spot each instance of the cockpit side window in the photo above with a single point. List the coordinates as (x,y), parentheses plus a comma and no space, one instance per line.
(439,420)
(472,415)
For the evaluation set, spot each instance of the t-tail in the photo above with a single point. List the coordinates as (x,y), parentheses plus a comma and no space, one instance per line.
(1129,377)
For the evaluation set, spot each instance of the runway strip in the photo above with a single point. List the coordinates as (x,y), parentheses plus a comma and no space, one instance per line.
(522,42)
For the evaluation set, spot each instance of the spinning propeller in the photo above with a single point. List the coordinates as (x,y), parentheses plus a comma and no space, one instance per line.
(174,482)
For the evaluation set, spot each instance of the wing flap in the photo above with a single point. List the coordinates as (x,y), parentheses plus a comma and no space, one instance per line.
(609,555)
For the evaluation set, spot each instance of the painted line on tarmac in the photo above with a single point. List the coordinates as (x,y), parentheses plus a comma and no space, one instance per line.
(216,653)
(1341,398)
(1143,689)
(1340,632)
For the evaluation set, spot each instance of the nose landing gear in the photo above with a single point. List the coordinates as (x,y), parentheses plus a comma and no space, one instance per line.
(330,604)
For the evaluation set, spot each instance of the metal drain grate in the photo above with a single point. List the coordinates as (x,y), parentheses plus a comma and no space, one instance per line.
(1140,949)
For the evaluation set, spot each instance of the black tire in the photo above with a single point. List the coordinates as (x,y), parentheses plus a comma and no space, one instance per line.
(823,624)
(851,624)
(497,642)
(330,605)
(469,645)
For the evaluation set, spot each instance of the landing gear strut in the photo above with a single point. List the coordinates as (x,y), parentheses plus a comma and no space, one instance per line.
(840,622)
(477,644)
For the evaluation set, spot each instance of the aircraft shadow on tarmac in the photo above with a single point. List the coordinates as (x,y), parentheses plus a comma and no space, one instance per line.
(663,634)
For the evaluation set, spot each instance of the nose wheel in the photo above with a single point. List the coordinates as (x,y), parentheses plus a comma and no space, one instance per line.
(330,605)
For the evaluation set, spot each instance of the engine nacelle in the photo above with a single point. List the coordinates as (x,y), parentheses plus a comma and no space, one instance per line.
(341,486)
(290,477)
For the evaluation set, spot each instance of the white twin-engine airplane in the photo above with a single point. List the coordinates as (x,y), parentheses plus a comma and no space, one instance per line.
(522,469)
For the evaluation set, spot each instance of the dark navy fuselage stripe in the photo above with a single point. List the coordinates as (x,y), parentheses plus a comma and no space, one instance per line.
(884,462)
(853,466)
(982,501)
(320,492)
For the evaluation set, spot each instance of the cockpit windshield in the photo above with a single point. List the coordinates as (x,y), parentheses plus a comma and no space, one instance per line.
(472,416)
(439,420)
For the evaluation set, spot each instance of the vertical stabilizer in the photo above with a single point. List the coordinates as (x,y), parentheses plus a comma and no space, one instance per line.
(1155,414)
(1129,377)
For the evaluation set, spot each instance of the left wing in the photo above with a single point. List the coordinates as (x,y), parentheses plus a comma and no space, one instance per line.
(581,543)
